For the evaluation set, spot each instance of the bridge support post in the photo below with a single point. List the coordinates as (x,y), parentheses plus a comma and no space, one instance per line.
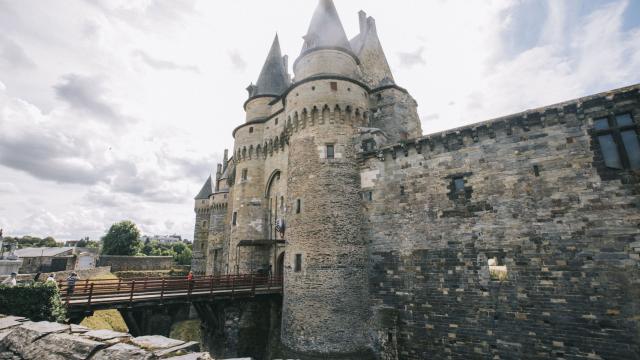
(131,321)
(248,327)
(154,319)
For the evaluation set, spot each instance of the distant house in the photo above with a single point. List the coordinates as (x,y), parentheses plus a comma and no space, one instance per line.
(86,258)
(46,259)
(71,243)
(163,239)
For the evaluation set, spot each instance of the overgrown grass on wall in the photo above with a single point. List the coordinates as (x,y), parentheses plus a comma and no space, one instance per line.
(105,319)
(38,301)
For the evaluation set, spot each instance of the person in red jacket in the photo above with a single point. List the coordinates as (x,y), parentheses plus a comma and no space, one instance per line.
(190,280)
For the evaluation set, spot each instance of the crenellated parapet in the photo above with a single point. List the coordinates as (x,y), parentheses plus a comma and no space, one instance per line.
(581,110)
(326,114)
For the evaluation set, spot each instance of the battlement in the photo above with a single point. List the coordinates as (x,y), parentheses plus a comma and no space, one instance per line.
(581,109)
(261,150)
(325,114)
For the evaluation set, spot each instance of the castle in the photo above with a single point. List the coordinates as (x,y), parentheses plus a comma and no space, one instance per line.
(518,237)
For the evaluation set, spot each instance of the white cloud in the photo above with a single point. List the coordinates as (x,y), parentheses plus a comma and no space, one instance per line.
(8,188)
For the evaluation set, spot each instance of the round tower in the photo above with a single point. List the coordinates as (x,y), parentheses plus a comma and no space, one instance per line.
(247,213)
(202,208)
(325,307)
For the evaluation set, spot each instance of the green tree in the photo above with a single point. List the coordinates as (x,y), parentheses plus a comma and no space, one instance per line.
(123,238)
(48,242)
(184,258)
(86,243)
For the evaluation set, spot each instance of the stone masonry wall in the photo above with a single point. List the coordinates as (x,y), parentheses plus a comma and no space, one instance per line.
(560,230)
(128,263)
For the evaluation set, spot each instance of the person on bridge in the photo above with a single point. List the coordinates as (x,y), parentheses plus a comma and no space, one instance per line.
(11,280)
(51,279)
(71,283)
(190,280)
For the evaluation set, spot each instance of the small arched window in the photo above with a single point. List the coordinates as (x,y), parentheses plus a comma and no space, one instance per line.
(204,224)
(251,130)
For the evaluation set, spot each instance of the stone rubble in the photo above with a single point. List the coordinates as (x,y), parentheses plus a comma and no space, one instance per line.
(21,339)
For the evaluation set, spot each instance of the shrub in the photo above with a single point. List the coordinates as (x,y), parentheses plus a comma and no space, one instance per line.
(37,301)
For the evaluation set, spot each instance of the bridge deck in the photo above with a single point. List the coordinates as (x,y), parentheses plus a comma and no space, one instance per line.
(100,294)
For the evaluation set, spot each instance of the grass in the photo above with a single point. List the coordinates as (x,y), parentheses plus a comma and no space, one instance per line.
(188,330)
(105,319)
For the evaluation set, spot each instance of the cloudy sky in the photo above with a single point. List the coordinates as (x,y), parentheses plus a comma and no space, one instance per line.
(119,109)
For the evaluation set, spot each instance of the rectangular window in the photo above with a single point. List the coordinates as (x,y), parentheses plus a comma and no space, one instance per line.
(632,147)
(298,206)
(536,170)
(330,152)
(297,266)
(601,124)
(234,218)
(458,184)
(624,120)
(618,140)
(367,195)
(609,151)
(334,86)
(401,189)
(244,174)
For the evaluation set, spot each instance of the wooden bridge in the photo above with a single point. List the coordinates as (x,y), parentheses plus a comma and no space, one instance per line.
(90,295)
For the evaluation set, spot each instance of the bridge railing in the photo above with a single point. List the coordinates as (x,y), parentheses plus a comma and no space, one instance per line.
(88,292)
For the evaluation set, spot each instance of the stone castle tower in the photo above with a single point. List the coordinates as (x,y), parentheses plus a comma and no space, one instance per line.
(295,160)
(509,238)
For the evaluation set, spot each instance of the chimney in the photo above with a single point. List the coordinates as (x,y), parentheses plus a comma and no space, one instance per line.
(285,62)
(225,159)
(219,171)
(362,16)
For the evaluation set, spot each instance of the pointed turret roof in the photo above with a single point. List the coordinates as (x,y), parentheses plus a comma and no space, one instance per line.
(206,190)
(273,79)
(376,70)
(325,29)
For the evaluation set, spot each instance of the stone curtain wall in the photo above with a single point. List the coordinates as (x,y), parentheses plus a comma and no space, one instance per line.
(568,236)
(133,263)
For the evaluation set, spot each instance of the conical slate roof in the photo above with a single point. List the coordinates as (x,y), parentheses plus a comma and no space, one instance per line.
(273,79)
(376,70)
(206,190)
(325,29)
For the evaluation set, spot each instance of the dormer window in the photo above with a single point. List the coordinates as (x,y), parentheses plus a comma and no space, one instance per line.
(368,145)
